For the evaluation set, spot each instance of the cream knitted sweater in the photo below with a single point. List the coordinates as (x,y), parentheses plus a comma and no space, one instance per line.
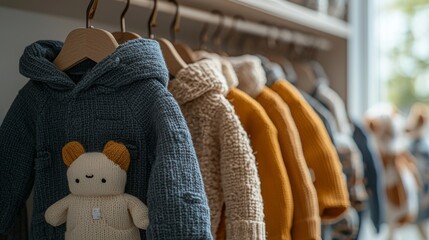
(226,160)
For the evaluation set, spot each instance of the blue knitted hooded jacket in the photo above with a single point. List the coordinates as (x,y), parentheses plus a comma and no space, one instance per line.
(122,98)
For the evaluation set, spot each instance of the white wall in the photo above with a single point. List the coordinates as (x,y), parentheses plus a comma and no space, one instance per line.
(22,29)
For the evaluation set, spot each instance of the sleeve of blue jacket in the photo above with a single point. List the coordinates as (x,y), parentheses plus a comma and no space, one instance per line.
(178,207)
(373,173)
(17,147)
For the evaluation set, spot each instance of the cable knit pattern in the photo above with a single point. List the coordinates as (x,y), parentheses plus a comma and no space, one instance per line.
(122,98)
(319,153)
(227,164)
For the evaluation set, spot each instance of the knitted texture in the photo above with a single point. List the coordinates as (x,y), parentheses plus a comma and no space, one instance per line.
(319,153)
(305,216)
(351,160)
(273,71)
(249,67)
(225,66)
(97,207)
(306,220)
(323,113)
(122,98)
(275,185)
(350,156)
(336,106)
(223,149)
(71,151)
(20,228)
(118,153)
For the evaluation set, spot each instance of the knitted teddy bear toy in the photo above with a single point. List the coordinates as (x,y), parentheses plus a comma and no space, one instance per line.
(98,208)
(419,146)
(401,178)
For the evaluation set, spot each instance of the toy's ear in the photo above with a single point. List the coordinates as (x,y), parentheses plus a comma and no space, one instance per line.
(71,151)
(418,117)
(421,120)
(371,125)
(118,153)
(419,110)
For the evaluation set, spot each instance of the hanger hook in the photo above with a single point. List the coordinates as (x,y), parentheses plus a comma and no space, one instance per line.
(221,25)
(90,12)
(295,49)
(234,27)
(152,19)
(204,37)
(175,25)
(312,48)
(123,16)
(273,37)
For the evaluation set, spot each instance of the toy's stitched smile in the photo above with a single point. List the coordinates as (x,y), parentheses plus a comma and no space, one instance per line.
(89,176)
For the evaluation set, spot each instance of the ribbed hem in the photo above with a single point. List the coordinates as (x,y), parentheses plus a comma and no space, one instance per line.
(245,230)
(194,231)
(319,154)
(333,214)
(308,229)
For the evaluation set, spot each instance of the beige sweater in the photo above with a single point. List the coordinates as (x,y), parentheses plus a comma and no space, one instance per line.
(227,164)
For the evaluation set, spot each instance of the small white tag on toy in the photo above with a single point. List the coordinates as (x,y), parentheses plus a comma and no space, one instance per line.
(96,213)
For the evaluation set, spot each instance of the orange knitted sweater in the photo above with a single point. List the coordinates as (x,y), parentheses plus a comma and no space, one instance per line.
(275,185)
(306,220)
(319,153)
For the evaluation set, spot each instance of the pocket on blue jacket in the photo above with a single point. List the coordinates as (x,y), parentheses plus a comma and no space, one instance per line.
(42,160)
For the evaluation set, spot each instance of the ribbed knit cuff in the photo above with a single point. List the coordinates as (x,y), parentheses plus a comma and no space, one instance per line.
(333,212)
(190,231)
(308,229)
(248,230)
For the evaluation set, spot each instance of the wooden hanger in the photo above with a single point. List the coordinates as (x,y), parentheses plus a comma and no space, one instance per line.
(306,80)
(185,52)
(124,36)
(86,43)
(217,40)
(173,60)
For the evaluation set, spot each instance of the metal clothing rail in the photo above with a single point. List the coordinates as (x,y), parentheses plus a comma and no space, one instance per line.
(253,28)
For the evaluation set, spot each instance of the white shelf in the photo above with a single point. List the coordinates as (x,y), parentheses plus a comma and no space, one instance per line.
(200,11)
(300,15)
(277,12)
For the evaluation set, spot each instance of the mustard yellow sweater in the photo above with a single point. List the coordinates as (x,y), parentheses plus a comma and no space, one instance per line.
(275,185)
(319,153)
(306,220)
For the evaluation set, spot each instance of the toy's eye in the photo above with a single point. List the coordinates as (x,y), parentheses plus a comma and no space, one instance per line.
(103,180)
(77,180)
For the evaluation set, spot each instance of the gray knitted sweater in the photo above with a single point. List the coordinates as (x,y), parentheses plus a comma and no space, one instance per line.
(122,98)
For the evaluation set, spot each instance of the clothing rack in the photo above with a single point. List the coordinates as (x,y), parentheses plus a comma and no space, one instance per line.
(258,29)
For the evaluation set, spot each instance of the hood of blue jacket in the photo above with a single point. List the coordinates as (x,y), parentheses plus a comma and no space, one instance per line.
(136,60)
